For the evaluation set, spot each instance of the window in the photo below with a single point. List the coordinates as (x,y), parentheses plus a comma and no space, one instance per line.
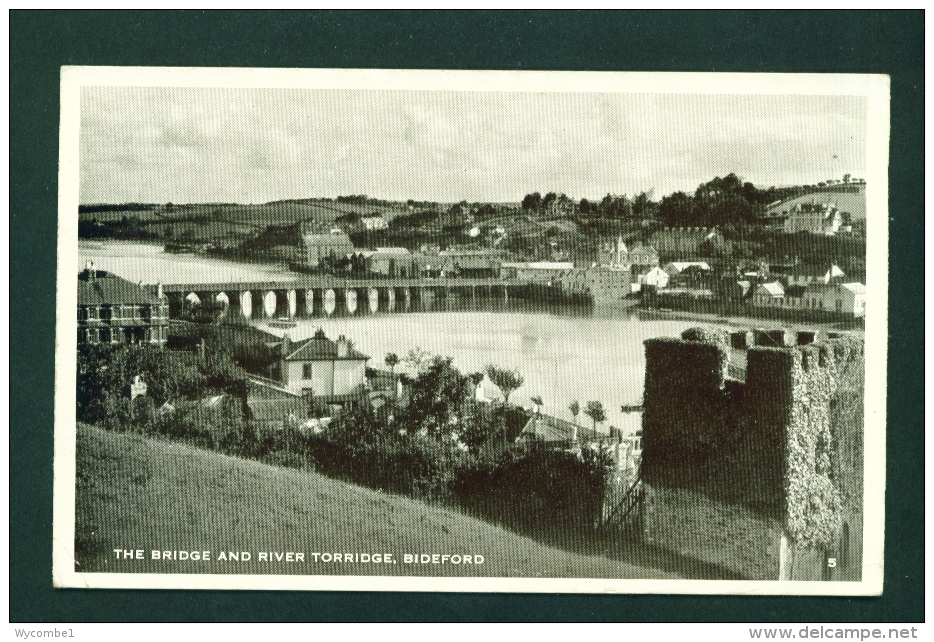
(105,335)
(839,305)
(306,371)
(92,311)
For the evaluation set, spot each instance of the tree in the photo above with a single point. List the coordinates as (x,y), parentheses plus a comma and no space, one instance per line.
(575,409)
(538,404)
(677,210)
(417,357)
(508,381)
(595,411)
(550,198)
(532,201)
(437,397)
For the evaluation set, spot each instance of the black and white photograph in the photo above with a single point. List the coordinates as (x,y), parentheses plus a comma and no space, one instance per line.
(396,330)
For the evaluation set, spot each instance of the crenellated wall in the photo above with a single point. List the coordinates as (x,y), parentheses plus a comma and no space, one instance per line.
(762,478)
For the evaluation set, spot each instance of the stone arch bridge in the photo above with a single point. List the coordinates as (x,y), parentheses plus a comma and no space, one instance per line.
(327,296)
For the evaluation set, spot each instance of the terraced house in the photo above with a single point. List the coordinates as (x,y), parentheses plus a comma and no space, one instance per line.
(114,310)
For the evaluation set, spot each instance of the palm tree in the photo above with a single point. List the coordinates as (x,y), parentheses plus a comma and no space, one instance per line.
(504,379)
(575,409)
(595,411)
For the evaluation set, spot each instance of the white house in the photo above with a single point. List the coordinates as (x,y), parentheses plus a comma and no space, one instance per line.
(768,294)
(374,222)
(847,298)
(816,274)
(321,367)
(817,218)
(655,276)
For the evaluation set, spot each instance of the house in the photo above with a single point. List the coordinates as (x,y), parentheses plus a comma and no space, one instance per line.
(816,274)
(114,310)
(643,256)
(391,262)
(322,368)
(794,297)
(320,241)
(816,218)
(682,241)
(601,284)
(544,429)
(561,206)
(473,266)
(694,276)
(846,298)
(768,294)
(655,276)
(372,222)
(677,267)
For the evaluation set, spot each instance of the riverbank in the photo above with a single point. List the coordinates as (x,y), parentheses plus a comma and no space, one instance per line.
(855,327)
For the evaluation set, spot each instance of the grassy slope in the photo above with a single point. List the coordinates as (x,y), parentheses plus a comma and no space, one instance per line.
(854,203)
(138,493)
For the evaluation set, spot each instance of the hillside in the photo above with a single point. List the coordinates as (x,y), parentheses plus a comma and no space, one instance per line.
(139,493)
(847,201)
(221,223)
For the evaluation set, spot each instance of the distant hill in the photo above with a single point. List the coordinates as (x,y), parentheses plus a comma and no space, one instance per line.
(849,197)
(221,223)
(134,492)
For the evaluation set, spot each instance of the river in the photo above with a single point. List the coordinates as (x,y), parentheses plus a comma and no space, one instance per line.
(564,353)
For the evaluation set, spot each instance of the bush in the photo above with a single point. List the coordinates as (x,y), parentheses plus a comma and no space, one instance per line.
(535,489)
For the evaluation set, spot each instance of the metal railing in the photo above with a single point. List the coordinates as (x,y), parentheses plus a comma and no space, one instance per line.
(629,508)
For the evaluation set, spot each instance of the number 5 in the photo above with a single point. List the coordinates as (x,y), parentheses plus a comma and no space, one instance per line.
(831,562)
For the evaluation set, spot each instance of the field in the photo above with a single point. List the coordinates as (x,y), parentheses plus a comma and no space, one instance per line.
(852,202)
(140,493)
(226,223)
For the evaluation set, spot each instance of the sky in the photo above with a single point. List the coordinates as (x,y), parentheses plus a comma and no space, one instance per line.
(213,145)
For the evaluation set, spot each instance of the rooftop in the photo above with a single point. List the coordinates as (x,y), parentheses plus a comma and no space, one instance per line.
(97,287)
(320,348)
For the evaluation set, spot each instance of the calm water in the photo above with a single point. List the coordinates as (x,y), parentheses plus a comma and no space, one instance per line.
(564,353)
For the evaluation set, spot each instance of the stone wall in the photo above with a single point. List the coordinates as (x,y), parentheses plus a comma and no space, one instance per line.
(728,535)
(736,472)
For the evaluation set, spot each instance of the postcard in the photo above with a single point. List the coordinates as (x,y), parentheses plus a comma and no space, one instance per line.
(473,331)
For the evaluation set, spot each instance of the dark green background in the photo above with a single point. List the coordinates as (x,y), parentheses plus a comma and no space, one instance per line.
(850,42)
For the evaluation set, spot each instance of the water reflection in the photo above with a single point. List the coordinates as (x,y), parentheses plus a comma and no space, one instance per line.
(565,352)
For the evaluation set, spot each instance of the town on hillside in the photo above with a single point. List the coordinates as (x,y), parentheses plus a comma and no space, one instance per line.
(774,277)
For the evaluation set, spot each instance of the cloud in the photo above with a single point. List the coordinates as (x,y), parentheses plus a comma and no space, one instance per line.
(248,145)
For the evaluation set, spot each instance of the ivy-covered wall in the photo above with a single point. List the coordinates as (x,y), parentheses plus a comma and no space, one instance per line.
(785,448)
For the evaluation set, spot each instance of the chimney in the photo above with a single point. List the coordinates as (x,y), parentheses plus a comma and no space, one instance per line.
(286,344)
(159,292)
(343,347)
